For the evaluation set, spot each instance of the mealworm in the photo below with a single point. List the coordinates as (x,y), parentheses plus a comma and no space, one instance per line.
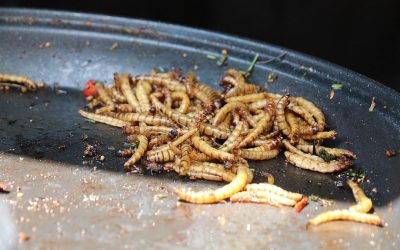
(94,103)
(247,98)
(274,189)
(161,156)
(152,129)
(256,154)
(280,115)
(208,170)
(225,124)
(141,95)
(102,110)
(320,135)
(294,127)
(246,88)
(184,101)
(256,131)
(103,95)
(225,110)
(158,140)
(128,92)
(117,96)
(257,196)
(103,119)
(344,214)
(117,82)
(217,195)
(233,140)
(364,204)
(175,143)
(185,160)
(156,120)
(27,82)
(333,151)
(303,112)
(316,112)
(309,163)
(210,151)
(171,84)
(301,204)
(124,108)
(269,144)
(139,152)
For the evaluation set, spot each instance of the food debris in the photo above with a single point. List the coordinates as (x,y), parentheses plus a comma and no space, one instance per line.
(102,158)
(114,46)
(390,152)
(314,198)
(211,57)
(270,177)
(45,45)
(271,77)
(111,148)
(249,70)
(159,197)
(89,151)
(373,104)
(337,86)
(331,94)
(184,55)
(3,188)
(223,58)
(90,89)
(23,236)
(390,207)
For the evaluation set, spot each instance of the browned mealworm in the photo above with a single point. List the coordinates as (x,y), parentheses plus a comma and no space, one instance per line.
(320,135)
(171,84)
(256,131)
(311,163)
(117,82)
(274,189)
(184,101)
(156,120)
(294,127)
(94,103)
(124,108)
(303,112)
(210,151)
(210,170)
(259,196)
(333,151)
(117,96)
(174,148)
(220,194)
(305,128)
(316,112)
(159,140)
(269,144)
(344,214)
(225,110)
(143,99)
(185,160)
(204,176)
(161,156)
(103,119)
(27,82)
(139,152)
(214,95)
(256,154)
(364,204)
(244,89)
(103,95)
(233,140)
(225,124)
(152,129)
(104,110)
(128,92)
(248,98)
(280,115)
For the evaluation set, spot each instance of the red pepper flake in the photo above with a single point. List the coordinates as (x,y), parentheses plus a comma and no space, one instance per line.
(3,188)
(390,152)
(301,204)
(90,89)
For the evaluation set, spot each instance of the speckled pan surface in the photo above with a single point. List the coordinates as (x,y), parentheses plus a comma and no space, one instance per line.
(66,205)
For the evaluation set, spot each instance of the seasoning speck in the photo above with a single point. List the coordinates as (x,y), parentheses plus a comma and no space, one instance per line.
(114,46)
(373,104)
(390,153)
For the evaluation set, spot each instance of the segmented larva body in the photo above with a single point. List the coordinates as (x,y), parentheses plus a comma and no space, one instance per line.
(210,170)
(152,129)
(364,204)
(303,112)
(333,151)
(316,112)
(117,82)
(273,189)
(321,135)
(280,115)
(139,152)
(156,120)
(117,96)
(294,127)
(185,161)
(256,131)
(309,163)
(103,110)
(161,156)
(257,154)
(142,97)
(220,194)
(124,108)
(263,197)
(248,98)
(103,95)
(225,124)
(128,92)
(27,82)
(184,101)
(159,140)
(242,89)
(225,110)
(175,143)
(171,84)
(269,144)
(198,156)
(344,214)
(233,140)
(210,151)
(103,119)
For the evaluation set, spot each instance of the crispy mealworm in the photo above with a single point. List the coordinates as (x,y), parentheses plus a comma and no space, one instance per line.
(294,127)
(333,151)
(320,135)
(259,196)
(225,110)
(344,214)
(94,103)
(124,108)
(152,129)
(364,204)
(210,151)
(158,140)
(303,112)
(139,152)
(203,175)
(198,156)
(141,95)
(214,196)
(128,92)
(233,139)
(103,95)
(117,96)
(103,119)
(102,110)
(161,156)
(212,170)
(176,142)
(247,98)
(316,112)
(256,131)
(174,148)
(171,84)
(243,89)
(185,160)
(148,119)
(305,128)
(274,189)
(215,96)
(310,163)
(280,115)
(117,82)
(184,101)
(27,82)
(256,154)
(225,124)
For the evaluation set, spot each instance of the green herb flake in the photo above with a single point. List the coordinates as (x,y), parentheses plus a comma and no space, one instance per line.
(326,156)
(251,67)
(211,57)
(314,198)
(272,77)
(224,57)
(112,148)
(337,86)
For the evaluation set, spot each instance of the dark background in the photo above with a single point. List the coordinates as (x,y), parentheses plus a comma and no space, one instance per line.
(361,35)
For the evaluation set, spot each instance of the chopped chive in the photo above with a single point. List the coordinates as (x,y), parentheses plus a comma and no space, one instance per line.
(211,57)
(337,86)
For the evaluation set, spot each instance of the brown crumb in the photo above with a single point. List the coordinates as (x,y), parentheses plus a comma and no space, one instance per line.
(23,236)
(45,45)
(331,94)
(114,46)
(89,150)
(373,104)
(390,152)
(3,188)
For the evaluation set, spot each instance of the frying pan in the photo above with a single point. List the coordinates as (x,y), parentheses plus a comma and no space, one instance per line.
(67,203)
